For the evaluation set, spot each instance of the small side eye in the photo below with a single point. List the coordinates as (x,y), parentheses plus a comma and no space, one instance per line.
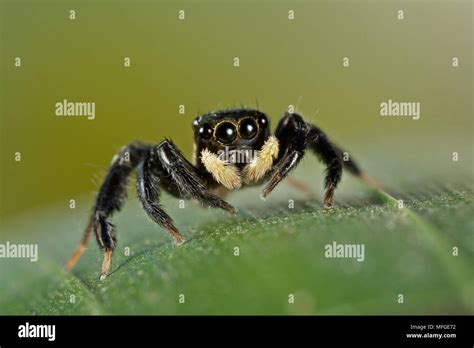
(205,131)
(226,132)
(262,121)
(248,128)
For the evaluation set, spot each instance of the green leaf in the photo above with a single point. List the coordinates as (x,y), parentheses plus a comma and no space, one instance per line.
(408,251)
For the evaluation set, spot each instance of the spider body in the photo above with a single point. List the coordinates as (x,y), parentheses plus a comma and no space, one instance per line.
(233,148)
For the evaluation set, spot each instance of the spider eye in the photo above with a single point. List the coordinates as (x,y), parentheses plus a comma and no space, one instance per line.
(262,121)
(205,131)
(226,132)
(248,128)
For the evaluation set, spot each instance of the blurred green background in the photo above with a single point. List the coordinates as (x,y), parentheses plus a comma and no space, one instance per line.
(190,62)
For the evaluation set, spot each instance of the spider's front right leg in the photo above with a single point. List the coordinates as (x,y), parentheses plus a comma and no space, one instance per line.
(167,168)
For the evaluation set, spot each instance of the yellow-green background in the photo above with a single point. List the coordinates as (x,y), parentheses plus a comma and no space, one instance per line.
(190,62)
(283,62)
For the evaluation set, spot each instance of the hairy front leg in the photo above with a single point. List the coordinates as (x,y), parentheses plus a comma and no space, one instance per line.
(291,134)
(295,135)
(167,168)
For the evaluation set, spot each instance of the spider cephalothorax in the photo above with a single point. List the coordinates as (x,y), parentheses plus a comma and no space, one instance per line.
(233,148)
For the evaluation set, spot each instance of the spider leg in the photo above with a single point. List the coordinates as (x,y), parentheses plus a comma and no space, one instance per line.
(295,135)
(167,168)
(352,167)
(330,156)
(163,166)
(291,133)
(149,193)
(186,177)
(326,150)
(110,198)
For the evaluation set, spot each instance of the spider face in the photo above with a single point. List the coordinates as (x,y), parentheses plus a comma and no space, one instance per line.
(241,129)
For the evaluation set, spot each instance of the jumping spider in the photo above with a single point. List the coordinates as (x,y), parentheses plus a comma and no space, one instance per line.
(236,131)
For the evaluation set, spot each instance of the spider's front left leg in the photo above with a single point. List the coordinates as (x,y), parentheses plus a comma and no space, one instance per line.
(291,133)
(167,168)
(294,136)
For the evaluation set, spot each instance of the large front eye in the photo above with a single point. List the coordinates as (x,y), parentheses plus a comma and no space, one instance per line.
(248,128)
(226,132)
